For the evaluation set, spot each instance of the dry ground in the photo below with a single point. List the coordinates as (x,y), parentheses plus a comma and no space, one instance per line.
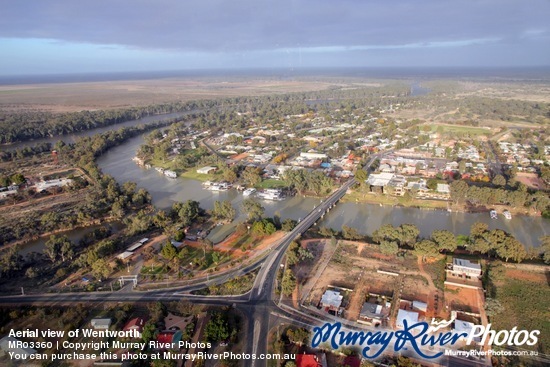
(530,180)
(355,266)
(463,299)
(70,97)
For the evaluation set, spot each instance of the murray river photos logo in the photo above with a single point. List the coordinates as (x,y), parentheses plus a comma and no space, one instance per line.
(421,337)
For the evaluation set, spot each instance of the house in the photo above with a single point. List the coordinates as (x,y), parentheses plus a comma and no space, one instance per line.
(372,313)
(102,324)
(311,155)
(311,360)
(463,268)
(171,337)
(464,322)
(380,179)
(135,324)
(331,300)
(207,170)
(419,306)
(410,317)
(352,361)
(5,348)
(60,182)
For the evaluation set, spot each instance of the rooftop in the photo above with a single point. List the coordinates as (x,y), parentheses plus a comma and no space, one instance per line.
(466,263)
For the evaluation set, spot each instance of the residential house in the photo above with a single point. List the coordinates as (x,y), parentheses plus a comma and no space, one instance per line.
(331,300)
(135,324)
(463,268)
(102,324)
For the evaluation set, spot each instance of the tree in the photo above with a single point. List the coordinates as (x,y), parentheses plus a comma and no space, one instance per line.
(288,283)
(251,176)
(229,175)
(169,251)
(149,331)
(350,233)
(189,212)
(298,336)
(217,328)
(459,190)
(477,230)
(408,233)
(445,240)
(223,210)
(389,247)
(545,247)
(425,248)
(263,227)
(511,249)
(386,232)
(288,225)
(58,245)
(101,269)
(253,209)
(361,176)
(499,180)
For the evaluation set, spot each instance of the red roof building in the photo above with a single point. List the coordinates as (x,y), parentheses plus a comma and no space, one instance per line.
(352,361)
(134,324)
(307,360)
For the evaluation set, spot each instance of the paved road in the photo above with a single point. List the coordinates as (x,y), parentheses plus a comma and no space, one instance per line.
(257,305)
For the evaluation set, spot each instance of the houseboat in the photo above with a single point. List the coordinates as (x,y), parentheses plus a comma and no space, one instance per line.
(219,186)
(170,174)
(249,192)
(271,194)
(493,214)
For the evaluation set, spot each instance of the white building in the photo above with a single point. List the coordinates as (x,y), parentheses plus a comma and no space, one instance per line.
(313,155)
(206,170)
(410,317)
(103,324)
(465,268)
(59,182)
(331,300)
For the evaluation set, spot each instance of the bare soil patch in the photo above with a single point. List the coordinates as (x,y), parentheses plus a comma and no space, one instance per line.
(462,299)
(71,97)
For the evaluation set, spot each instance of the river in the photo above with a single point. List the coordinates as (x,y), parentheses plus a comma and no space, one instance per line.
(118,163)
(71,138)
(365,217)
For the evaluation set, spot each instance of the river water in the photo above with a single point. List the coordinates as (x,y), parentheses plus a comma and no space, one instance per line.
(365,217)
(118,163)
(71,138)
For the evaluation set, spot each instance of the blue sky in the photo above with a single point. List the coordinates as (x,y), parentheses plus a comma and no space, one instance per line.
(65,36)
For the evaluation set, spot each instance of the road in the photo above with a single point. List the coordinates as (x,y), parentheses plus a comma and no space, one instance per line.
(257,305)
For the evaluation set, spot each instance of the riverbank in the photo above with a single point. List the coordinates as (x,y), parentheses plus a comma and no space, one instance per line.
(370,198)
(432,204)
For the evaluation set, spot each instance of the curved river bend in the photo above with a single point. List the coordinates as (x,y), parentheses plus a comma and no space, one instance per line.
(365,217)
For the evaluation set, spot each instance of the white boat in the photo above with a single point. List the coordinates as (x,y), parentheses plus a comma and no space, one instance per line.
(159,169)
(493,214)
(507,214)
(170,174)
(219,186)
(271,194)
(249,192)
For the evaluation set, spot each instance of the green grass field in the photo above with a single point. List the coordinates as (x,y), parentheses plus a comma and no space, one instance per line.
(472,130)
